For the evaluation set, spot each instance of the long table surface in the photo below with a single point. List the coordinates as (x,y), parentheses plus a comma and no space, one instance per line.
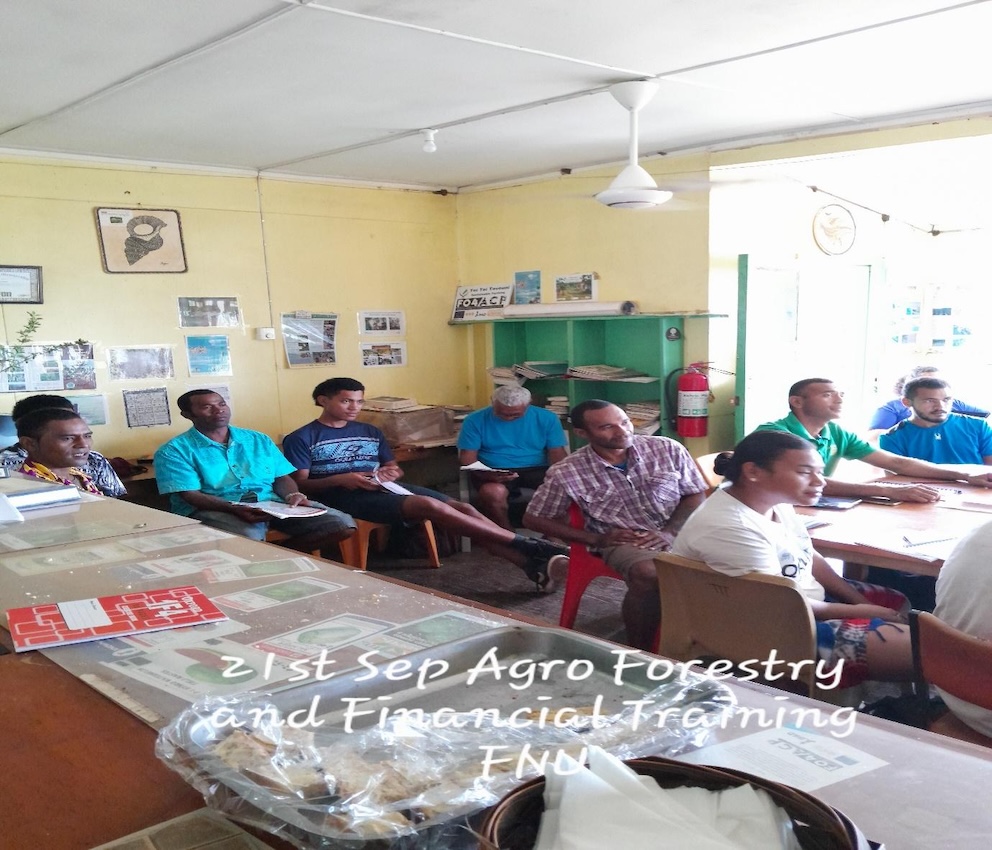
(79,770)
(871,533)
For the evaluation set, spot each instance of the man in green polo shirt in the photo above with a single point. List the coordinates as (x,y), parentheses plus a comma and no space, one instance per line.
(814,403)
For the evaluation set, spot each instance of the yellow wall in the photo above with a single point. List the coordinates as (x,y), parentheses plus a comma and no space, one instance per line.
(281,246)
(312,247)
(658,259)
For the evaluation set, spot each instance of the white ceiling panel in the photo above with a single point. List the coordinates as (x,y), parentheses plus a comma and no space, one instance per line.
(918,65)
(287,90)
(647,37)
(340,90)
(58,51)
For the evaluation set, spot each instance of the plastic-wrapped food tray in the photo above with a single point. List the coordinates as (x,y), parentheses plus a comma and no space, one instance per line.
(399,753)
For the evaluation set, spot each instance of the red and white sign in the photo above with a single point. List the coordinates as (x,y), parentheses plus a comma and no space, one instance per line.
(81,620)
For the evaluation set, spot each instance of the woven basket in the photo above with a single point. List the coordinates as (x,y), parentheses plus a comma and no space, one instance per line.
(512,824)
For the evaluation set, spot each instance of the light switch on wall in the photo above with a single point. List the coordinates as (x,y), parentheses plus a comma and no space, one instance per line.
(265,333)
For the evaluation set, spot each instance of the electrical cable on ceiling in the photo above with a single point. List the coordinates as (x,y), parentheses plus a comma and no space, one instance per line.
(931,229)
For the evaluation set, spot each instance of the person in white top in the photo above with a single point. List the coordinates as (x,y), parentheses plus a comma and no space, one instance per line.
(751,527)
(964,601)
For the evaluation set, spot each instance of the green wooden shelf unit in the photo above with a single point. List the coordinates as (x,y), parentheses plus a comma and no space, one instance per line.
(649,343)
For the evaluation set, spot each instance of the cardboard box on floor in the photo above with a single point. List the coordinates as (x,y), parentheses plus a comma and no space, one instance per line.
(413,425)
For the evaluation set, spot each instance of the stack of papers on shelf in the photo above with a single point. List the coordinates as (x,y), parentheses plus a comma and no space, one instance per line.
(604,372)
(504,375)
(646,428)
(533,369)
(643,409)
(389,402)
(645,416)
(26,493)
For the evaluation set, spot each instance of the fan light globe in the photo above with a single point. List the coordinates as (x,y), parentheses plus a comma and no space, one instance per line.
(633,189)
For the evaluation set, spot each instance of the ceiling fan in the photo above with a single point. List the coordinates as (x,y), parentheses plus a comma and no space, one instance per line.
(633,188)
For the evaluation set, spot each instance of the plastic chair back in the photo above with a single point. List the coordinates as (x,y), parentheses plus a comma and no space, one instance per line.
(583,567)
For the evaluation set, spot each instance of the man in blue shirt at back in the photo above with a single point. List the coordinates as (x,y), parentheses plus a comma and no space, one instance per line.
(935,434)
(517,441)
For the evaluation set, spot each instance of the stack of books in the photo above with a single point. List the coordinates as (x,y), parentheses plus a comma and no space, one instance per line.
(603,372)
(534,369)
(558,404)
(389,402)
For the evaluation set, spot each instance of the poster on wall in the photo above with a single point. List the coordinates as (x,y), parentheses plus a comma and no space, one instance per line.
(134,362)
(209,355)
(527,287)
(575,287)
(209,313)
(383,354)
(309,338)
(481,302)
(145,408)
(93,408)
(382,323)
(136,241)
(47,368)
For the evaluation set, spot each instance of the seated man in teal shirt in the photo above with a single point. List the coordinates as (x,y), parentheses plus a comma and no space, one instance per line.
(517,441)
(215,473)
(935,434)
(814,403)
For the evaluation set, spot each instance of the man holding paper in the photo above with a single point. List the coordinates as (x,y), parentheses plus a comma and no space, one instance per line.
(517,442)
(220,475)
(349,465)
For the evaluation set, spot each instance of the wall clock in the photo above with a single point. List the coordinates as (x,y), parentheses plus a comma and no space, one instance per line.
(834,229)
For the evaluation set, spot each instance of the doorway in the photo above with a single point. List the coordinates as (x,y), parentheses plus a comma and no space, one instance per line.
(798,322)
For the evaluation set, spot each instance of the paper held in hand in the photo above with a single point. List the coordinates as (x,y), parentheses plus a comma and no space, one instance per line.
(479,466)
(280,510)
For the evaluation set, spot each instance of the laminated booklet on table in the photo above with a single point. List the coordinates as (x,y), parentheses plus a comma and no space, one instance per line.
(80,620)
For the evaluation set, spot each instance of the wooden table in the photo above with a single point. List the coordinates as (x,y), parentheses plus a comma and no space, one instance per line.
(849,533)
(78,770)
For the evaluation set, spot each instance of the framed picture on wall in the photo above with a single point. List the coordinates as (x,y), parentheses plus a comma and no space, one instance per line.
(20,285)
(140,241)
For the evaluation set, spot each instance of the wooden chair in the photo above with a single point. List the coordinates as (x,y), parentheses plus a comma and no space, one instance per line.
(957,663)
(705,464)
(280,537)
(707,614)
(583,567)
(355,549)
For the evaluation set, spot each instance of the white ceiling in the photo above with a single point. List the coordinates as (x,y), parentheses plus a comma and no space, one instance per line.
(517,88)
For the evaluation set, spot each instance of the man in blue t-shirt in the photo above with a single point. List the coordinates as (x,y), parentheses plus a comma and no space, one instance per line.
(517,441)
(219,474)
(893,412)
(935,434)
(349,466)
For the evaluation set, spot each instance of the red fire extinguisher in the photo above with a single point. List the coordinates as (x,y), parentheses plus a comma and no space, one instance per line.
(693,401)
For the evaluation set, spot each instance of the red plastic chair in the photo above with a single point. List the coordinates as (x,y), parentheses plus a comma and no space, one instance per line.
(583,567)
